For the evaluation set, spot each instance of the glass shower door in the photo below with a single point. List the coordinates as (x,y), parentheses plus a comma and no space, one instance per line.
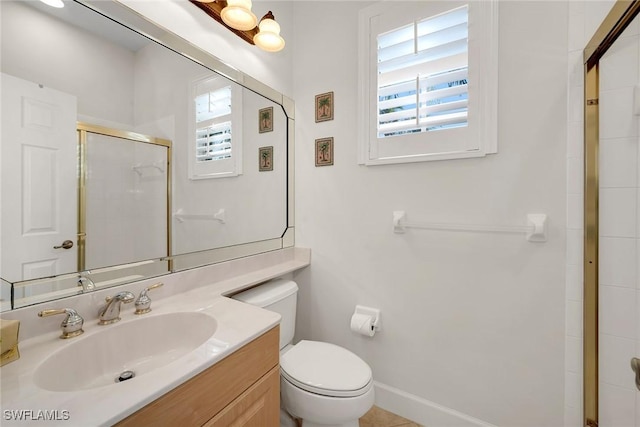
(126,201)
(619,231)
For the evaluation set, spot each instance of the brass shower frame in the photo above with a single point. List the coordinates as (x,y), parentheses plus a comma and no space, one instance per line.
(83,129)
(621,15)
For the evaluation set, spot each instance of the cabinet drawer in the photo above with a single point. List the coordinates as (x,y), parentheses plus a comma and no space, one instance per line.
(259,406)
(199,399)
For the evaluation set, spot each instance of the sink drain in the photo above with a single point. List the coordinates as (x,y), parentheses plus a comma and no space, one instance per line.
(126,375)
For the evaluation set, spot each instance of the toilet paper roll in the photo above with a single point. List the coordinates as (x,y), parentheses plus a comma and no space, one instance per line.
(362,324)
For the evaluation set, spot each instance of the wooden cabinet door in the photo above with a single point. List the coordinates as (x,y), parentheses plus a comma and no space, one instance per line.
(259,406)
(208,394)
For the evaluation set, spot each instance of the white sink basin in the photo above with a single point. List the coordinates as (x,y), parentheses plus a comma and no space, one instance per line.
(140,345)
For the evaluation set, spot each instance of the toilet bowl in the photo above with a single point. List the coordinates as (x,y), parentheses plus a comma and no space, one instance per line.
(325,385)
(322,384)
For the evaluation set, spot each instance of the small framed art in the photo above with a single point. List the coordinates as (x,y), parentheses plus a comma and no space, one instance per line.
(265,117)
(324,107)
(324,151)
(265,159)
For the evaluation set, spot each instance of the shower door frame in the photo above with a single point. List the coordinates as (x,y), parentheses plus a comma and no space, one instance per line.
(83,130)
(621,15)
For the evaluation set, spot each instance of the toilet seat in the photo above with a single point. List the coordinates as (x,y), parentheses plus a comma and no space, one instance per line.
(326,369)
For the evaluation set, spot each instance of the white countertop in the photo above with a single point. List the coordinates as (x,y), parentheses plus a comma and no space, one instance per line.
(237,325)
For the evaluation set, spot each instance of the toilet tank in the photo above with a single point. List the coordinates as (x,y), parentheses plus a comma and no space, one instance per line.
(277,295)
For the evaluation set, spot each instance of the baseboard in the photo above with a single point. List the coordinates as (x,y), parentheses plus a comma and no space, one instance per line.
(421,410)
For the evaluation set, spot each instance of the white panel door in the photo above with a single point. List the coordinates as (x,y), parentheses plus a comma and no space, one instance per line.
(38,180)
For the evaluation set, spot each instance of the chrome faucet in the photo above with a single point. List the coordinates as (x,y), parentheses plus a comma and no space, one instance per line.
(110,313)
(86,283)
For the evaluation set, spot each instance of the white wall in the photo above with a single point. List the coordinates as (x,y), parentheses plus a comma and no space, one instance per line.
(472,322)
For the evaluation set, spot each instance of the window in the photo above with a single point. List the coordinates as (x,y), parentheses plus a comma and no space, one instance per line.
(422,75)
(428,81)
(215,148)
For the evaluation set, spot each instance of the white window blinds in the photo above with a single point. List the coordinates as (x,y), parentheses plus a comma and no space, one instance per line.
(423,75)
(213,125)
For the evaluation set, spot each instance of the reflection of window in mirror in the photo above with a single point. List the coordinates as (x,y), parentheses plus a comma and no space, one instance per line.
(215,147)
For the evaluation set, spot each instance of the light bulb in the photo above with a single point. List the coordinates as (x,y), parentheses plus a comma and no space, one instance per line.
(268,37)
(53,3)
(237,14)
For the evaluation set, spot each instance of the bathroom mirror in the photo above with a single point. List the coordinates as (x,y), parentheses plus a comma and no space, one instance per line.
(128,153)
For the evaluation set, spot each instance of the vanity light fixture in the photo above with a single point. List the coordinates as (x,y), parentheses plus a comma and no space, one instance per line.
(268,37)
(53,3)
(237,14)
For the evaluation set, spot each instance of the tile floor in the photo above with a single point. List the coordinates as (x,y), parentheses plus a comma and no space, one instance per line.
(377,417)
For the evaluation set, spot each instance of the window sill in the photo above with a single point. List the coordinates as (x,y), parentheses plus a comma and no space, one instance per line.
(425,158)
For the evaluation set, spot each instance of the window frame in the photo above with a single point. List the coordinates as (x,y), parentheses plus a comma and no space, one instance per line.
(217,168)
(479,137)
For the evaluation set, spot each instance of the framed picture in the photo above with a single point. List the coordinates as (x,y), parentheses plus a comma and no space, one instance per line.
(324,107)
(265,159)
(324,151)
(265,120)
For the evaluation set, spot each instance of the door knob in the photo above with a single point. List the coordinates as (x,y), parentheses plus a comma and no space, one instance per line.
(67,244)
(635,365)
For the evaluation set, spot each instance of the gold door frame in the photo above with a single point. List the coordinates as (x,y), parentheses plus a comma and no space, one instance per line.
(621,15)
(83,129)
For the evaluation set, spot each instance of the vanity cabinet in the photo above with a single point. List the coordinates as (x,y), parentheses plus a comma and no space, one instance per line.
(242,389)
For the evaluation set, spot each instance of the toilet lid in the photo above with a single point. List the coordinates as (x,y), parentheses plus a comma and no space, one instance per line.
(326,369)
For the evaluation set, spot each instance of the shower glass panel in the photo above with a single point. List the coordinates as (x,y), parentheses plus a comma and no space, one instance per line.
(125,196)
(619,231)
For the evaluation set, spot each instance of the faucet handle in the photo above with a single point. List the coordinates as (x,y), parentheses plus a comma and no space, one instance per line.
(143,303)
(71,325)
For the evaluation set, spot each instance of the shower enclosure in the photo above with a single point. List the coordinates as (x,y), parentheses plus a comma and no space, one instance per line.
(612,221)
(124,185)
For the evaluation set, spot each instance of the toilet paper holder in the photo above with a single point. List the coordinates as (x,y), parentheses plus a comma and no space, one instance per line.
(376,325)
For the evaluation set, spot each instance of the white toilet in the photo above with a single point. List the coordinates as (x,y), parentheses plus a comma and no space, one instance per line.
(321,383)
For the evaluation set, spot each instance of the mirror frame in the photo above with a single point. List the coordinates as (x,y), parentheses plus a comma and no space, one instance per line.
(133,20)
